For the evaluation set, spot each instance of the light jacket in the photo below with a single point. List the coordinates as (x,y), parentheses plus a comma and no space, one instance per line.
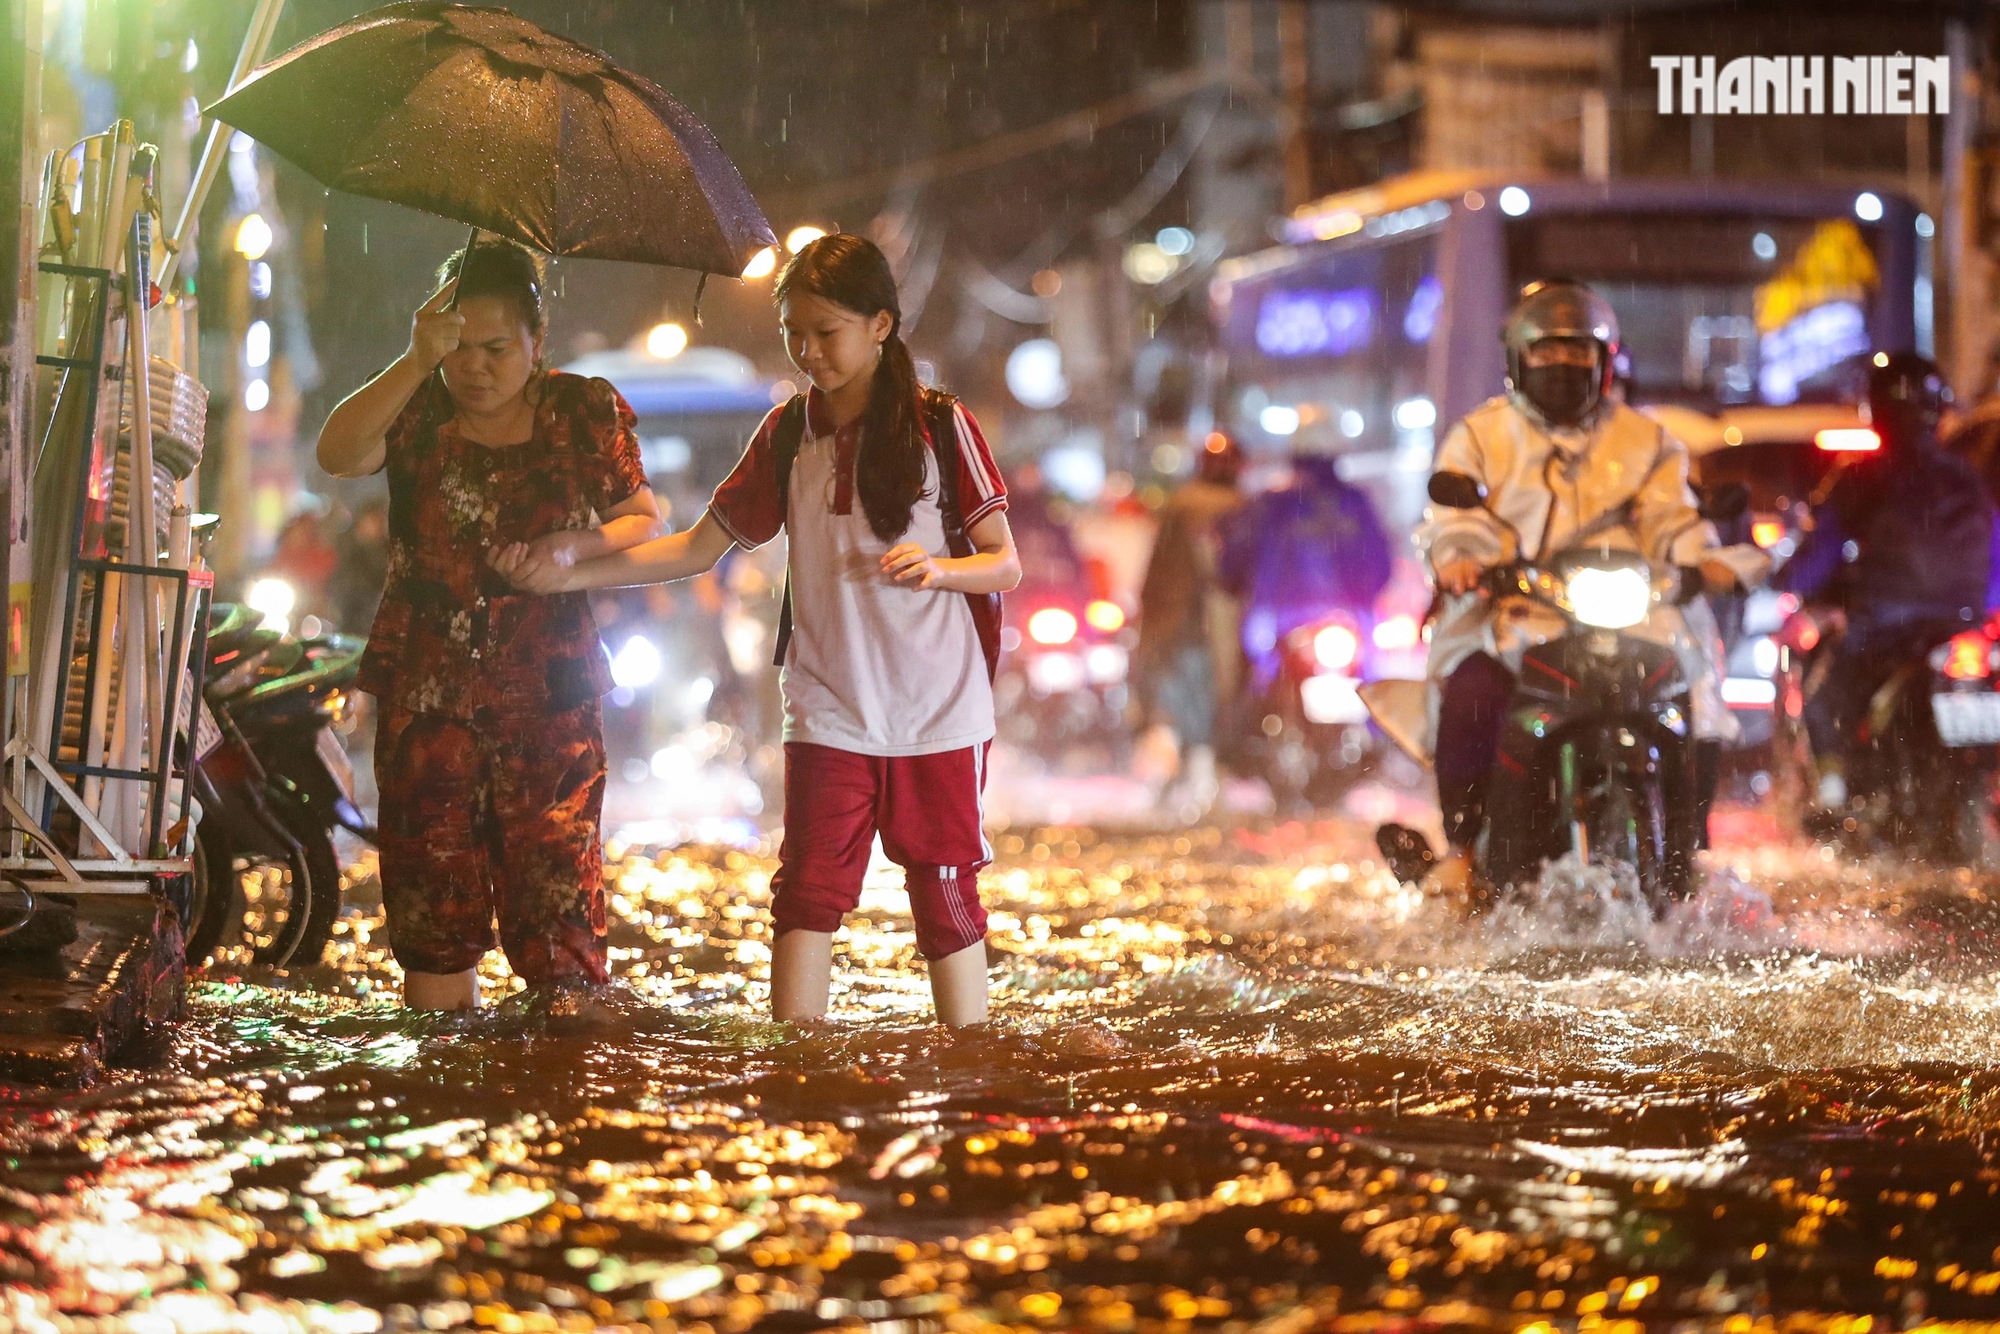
(1620,480)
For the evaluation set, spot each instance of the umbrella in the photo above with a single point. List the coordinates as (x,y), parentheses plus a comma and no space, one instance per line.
(474,114)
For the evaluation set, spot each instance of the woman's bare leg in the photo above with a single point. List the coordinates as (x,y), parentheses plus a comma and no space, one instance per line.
(801,974)
(442,991)
(958,986)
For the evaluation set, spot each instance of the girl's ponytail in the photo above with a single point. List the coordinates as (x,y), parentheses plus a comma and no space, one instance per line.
(889,475)
(852,271)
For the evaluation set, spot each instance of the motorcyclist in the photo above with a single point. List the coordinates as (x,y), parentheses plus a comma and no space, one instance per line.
(1563,463)
(1292,554)
(1186,657)
(1888,555)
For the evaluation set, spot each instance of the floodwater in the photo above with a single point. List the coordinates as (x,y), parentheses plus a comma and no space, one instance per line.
(1236,1080)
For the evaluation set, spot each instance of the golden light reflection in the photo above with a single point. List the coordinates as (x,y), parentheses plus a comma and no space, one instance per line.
(1239,1080)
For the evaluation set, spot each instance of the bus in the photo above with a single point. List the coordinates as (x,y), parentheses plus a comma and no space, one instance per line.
(1375,322)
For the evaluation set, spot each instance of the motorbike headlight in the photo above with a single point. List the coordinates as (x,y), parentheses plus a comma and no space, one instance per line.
(637,664)
(1609,599)
(275,598)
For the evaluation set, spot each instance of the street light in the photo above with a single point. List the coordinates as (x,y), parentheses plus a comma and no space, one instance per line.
(253,236)
(762,264)
(666,340)
(798,238)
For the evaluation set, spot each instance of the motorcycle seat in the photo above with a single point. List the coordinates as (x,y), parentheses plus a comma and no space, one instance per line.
(229,625)
(332,670)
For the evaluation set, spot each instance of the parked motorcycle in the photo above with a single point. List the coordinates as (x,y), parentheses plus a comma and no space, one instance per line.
(273,784)
(1597,756)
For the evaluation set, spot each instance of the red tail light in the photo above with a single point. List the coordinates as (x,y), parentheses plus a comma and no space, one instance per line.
(1336,647)
(1848,440)
(1968,657)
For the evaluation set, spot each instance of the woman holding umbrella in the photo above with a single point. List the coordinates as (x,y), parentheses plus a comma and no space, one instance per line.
(490,752)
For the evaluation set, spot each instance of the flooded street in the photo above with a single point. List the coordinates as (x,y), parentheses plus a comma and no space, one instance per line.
(1237,1079)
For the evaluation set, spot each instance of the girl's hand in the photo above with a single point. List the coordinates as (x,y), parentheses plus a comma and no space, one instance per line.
(540,566)
(912,567)
(434,331)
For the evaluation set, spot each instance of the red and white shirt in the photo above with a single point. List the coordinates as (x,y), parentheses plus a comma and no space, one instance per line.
(873,667)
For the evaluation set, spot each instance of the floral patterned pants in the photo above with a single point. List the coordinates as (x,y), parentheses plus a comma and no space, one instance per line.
(494,818)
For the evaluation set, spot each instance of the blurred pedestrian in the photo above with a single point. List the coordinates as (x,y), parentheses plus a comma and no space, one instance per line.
(1051,567)
(490,749)
(305,558)
(1183,665)
(355,590)
(892,507)
(1297,552)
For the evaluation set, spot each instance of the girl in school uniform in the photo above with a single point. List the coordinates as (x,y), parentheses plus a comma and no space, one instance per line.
(898,542)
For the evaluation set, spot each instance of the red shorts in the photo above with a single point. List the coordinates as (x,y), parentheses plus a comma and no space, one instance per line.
(926,807)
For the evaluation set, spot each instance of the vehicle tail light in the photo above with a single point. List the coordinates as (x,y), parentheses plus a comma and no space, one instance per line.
(1336,646)
(1767,533)
(1052,625)
(1848,440)
(1969,657)
(1105,616)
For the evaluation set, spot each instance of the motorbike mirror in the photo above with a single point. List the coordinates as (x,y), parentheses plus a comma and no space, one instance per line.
(1726,502)
(1456,491)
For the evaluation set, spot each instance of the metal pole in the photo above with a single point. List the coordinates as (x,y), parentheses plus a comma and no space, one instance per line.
(20,242)
(256,39)
(1964,274)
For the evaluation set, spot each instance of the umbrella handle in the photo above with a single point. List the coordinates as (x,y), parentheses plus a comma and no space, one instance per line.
(469,241)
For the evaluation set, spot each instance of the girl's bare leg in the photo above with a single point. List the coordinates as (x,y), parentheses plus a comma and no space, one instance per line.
(801,974)
(442,991)
(958,986)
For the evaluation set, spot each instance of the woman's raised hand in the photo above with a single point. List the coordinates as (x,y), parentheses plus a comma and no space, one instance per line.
(434,331)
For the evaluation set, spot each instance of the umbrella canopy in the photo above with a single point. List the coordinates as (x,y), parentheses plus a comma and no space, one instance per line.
(476,115)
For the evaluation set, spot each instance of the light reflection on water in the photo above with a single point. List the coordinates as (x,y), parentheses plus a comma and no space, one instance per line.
(1235,1081)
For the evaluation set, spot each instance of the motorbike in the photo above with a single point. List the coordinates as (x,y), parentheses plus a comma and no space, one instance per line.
(1063,682)
(273,784)
(1307,733)
(1920,764)
(1597,754)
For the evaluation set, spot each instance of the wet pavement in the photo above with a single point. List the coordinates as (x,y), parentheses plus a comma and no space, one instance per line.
(1237,1079)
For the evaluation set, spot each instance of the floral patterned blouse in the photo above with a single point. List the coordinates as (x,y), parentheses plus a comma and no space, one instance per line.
(452,637)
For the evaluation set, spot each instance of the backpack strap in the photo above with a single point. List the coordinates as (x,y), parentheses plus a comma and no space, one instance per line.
(785,442)
(942,423)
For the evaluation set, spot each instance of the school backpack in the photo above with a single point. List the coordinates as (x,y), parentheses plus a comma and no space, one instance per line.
(942,428)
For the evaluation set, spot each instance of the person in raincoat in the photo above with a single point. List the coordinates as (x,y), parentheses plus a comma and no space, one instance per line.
(1899,557)
(1563,462)
(489,752)
(1296,552)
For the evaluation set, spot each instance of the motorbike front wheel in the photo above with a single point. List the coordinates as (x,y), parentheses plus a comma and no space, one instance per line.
(1631,824)
(323,870)
(214,899)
